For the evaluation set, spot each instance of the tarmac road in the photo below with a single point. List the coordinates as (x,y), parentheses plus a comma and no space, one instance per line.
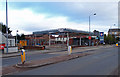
(37,55)
(103,62)
(15,60)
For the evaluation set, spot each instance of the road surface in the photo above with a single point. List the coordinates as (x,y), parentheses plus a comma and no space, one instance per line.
(103,62)
(15,60)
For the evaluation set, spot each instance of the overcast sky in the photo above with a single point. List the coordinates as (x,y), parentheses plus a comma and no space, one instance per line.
(28,17)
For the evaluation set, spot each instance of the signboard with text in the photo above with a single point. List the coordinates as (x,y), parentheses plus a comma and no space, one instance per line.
(101,37)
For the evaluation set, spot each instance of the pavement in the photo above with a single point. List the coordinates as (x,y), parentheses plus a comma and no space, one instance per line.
(31,52)
(49,50)
(77,52)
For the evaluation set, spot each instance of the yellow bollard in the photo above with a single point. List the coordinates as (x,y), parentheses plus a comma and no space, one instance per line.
(23,56)
(69,50)
(116,44)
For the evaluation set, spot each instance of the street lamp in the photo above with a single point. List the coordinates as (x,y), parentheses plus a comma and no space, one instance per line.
(16,37)
(7,26)
(89,26)
(113,25)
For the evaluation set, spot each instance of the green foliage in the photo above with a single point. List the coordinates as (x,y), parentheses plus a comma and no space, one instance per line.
(117,39)
(3,28)
(109,39)
(20,37)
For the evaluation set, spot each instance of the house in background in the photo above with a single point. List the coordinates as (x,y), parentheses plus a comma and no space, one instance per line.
(11,43)
(114,32)
(11,39)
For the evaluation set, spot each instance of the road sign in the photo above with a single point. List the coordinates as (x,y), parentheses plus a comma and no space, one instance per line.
(101,34)
(89,37)
(101,37)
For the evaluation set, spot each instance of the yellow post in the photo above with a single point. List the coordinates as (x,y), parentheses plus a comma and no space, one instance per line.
(23,56)
(116,44)
(69,50)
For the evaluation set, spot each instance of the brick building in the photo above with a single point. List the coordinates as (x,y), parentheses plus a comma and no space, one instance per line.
(114,32)
(59,36)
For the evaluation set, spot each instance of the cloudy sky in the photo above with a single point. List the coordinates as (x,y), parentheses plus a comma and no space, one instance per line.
(28,17)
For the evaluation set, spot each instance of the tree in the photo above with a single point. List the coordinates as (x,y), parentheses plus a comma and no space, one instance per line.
(105,38)
(22,37)
(109,39)
(117,39)
(3,28)
(18,37)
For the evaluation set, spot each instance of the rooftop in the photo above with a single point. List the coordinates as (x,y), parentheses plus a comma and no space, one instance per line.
(60,30)
(114,30)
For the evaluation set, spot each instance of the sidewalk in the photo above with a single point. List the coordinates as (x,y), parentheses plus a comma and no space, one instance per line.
(31,52)
(50,50)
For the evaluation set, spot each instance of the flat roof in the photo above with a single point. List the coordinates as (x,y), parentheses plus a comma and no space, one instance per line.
(60,30)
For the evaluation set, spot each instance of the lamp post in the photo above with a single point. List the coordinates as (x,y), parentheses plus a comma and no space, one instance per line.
(7,26)
(89,27)
(16,37)
(113,25)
